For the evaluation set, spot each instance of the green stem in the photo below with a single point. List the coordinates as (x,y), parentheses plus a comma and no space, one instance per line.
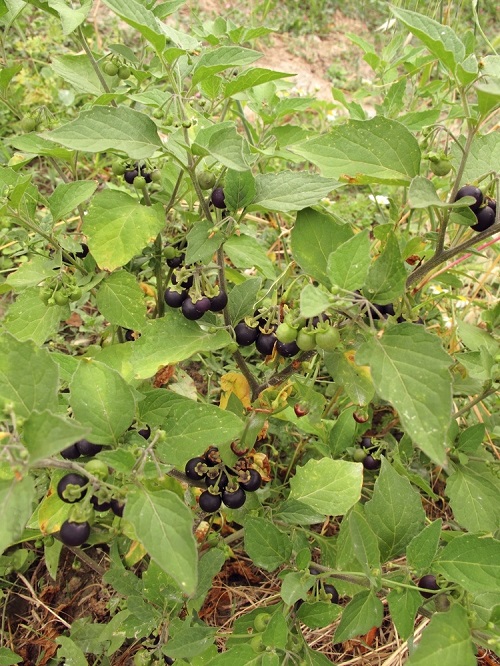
(93,62)
(479,398)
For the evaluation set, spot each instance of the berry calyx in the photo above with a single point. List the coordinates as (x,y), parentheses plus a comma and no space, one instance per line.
(217,198)
(471,191)
(245,335)
(73,494)
(98,468)
(208,502)
(234,499)
(428,586)
(300,410)
(74,534)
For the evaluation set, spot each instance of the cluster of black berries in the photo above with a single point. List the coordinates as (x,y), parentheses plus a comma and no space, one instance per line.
(263,334)
(135,170)
(224,484)
(320,590)
(73,487)
(484,209)
(364,455)
(181,294)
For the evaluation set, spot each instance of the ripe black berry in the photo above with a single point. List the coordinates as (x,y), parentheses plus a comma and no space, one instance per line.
(73,480)
(83,252)
(371,463)
(245,335)
(99,506)
(146,174)
(202,305)
(208,502)
(86,448)
(485,219)
(287,349)
(471,191)
(186,284)
(74,534)
(130,175)
(189,310)
(117,507)
(265,343)
(218,198)
(145,432)
(217,478)
(254,481)
(492,204)
(234,499)
(191,471)
(175,299)
(70,452)
(428,585)
(330,589)
(130,335)
(219,302)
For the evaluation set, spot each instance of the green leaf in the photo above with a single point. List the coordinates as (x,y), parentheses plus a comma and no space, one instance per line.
(355,379)
(410,369)
(297,513)
(318,614)
(423,547)
(104,128)
(364,542)
(379,150)
(276,633)
(313,301)
(343,432)
(295,586)
(28,318)
(189,424)
(440,39)
(290,190)
(16,499)
(202,243)
(422,194)
(143,20)
(102,400)
(185,338)
(77,70)
(266,545)
(387,275)
(118,228)
(242,299)
(330,487)
(71,18)
(224,144)
(403,606)
(7,657)
(189,642)
(364,611)
(243,655)
(474,338)
(255,76)
(394,512)
(70,652)
(68,196)
(121,301)
(474,493)
(45,434)
(314,237)
(239,189)
(484,156)
(163,524)
(221,58)
(348,265)
(29,378)
(246,252)
(33,272)
(446,641)
(472,562)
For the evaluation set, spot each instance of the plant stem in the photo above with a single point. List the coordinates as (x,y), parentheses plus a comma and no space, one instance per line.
(93,62)
(479,398)
(279,377)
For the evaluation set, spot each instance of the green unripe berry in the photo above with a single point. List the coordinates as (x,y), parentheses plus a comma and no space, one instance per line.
(61,297)
(359,455)
(187,123)
(256,644)
(124,72)
(206,180)
(441,167)
(139,182)
(118,168)
(45,294)
(286,333)
(75,294)
(156,176)
(158,114)
(110,68)
(306,340)
(328,339)
(28,124)
(261,621)
(97,468)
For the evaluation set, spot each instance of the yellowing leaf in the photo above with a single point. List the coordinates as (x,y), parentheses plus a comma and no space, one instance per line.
(234,382)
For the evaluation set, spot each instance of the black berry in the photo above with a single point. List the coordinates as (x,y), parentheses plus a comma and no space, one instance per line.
(189,310)
(130,175)
(99,506)
(191,471)
(202,305)
(208,502)
(371,463)
(219,302)
(485,219)
(428,585)
(245,335)
(287,349)
(330,589)
(175,299)
(218,198)
(265,343)
(70,452)
(145,432)
(217,478)
(471,191)
(234,499)
(73,480)
(74,534)
(254,481)
(86,448)
(117,507)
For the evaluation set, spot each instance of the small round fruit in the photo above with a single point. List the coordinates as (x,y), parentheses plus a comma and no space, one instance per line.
(146,174)
(217,478)
(371,463)
(174,298)
(175,262)
(330,589)
(254,481)
(99,506)
(75,294)
(286,333)
(208,502)
(306,340)
(219,302)
(74,534)
(71,479)
(234,499)
(217,198)
(191,471)
(441,167)
(428,585)
(71,452)
(117,507)
(118,168)
(130,175)
(300,410)
(28,124)
(189,310)
(256,643)
(245,335)
(98,468)
(287,349)
(83,252)
(110,68)
(359,455)
(265,343)
(328,340)
(156,176)
(492,204)
(124,72)
(202,305)
(485,219)
(61,297)
(206,180)
(261,621)
(139,182)
(86,448)
(145,432)
(471,191)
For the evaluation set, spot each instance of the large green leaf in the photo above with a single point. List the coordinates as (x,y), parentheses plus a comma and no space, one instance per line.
(224,144)
(121,301)
(67,196)
(353,378)
(172,339)
(387,275)
(102,400)
(255,76)
(330,487)
(242,299)
(379,150)
(239,189)
(474,493)
(246,252)
(104,128)
(16,499)
(118,227)
(29,378)
(446,641)
(403,606)
(472,562)
(410,369)
(422,194)
(422,548)
(267,546)
(394,512)
(441,40)
(28,318)
(164,526)
(77,70)
(71,18)
(348,265)
(221,58)
(484,156)
(364,541)
(143,20)
(290,190)
(32,272)
(364,611)
(314,237)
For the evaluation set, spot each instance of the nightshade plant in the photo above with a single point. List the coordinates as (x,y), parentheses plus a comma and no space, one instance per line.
(182,231)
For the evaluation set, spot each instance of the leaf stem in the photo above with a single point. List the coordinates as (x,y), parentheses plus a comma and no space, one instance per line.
(93,62)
